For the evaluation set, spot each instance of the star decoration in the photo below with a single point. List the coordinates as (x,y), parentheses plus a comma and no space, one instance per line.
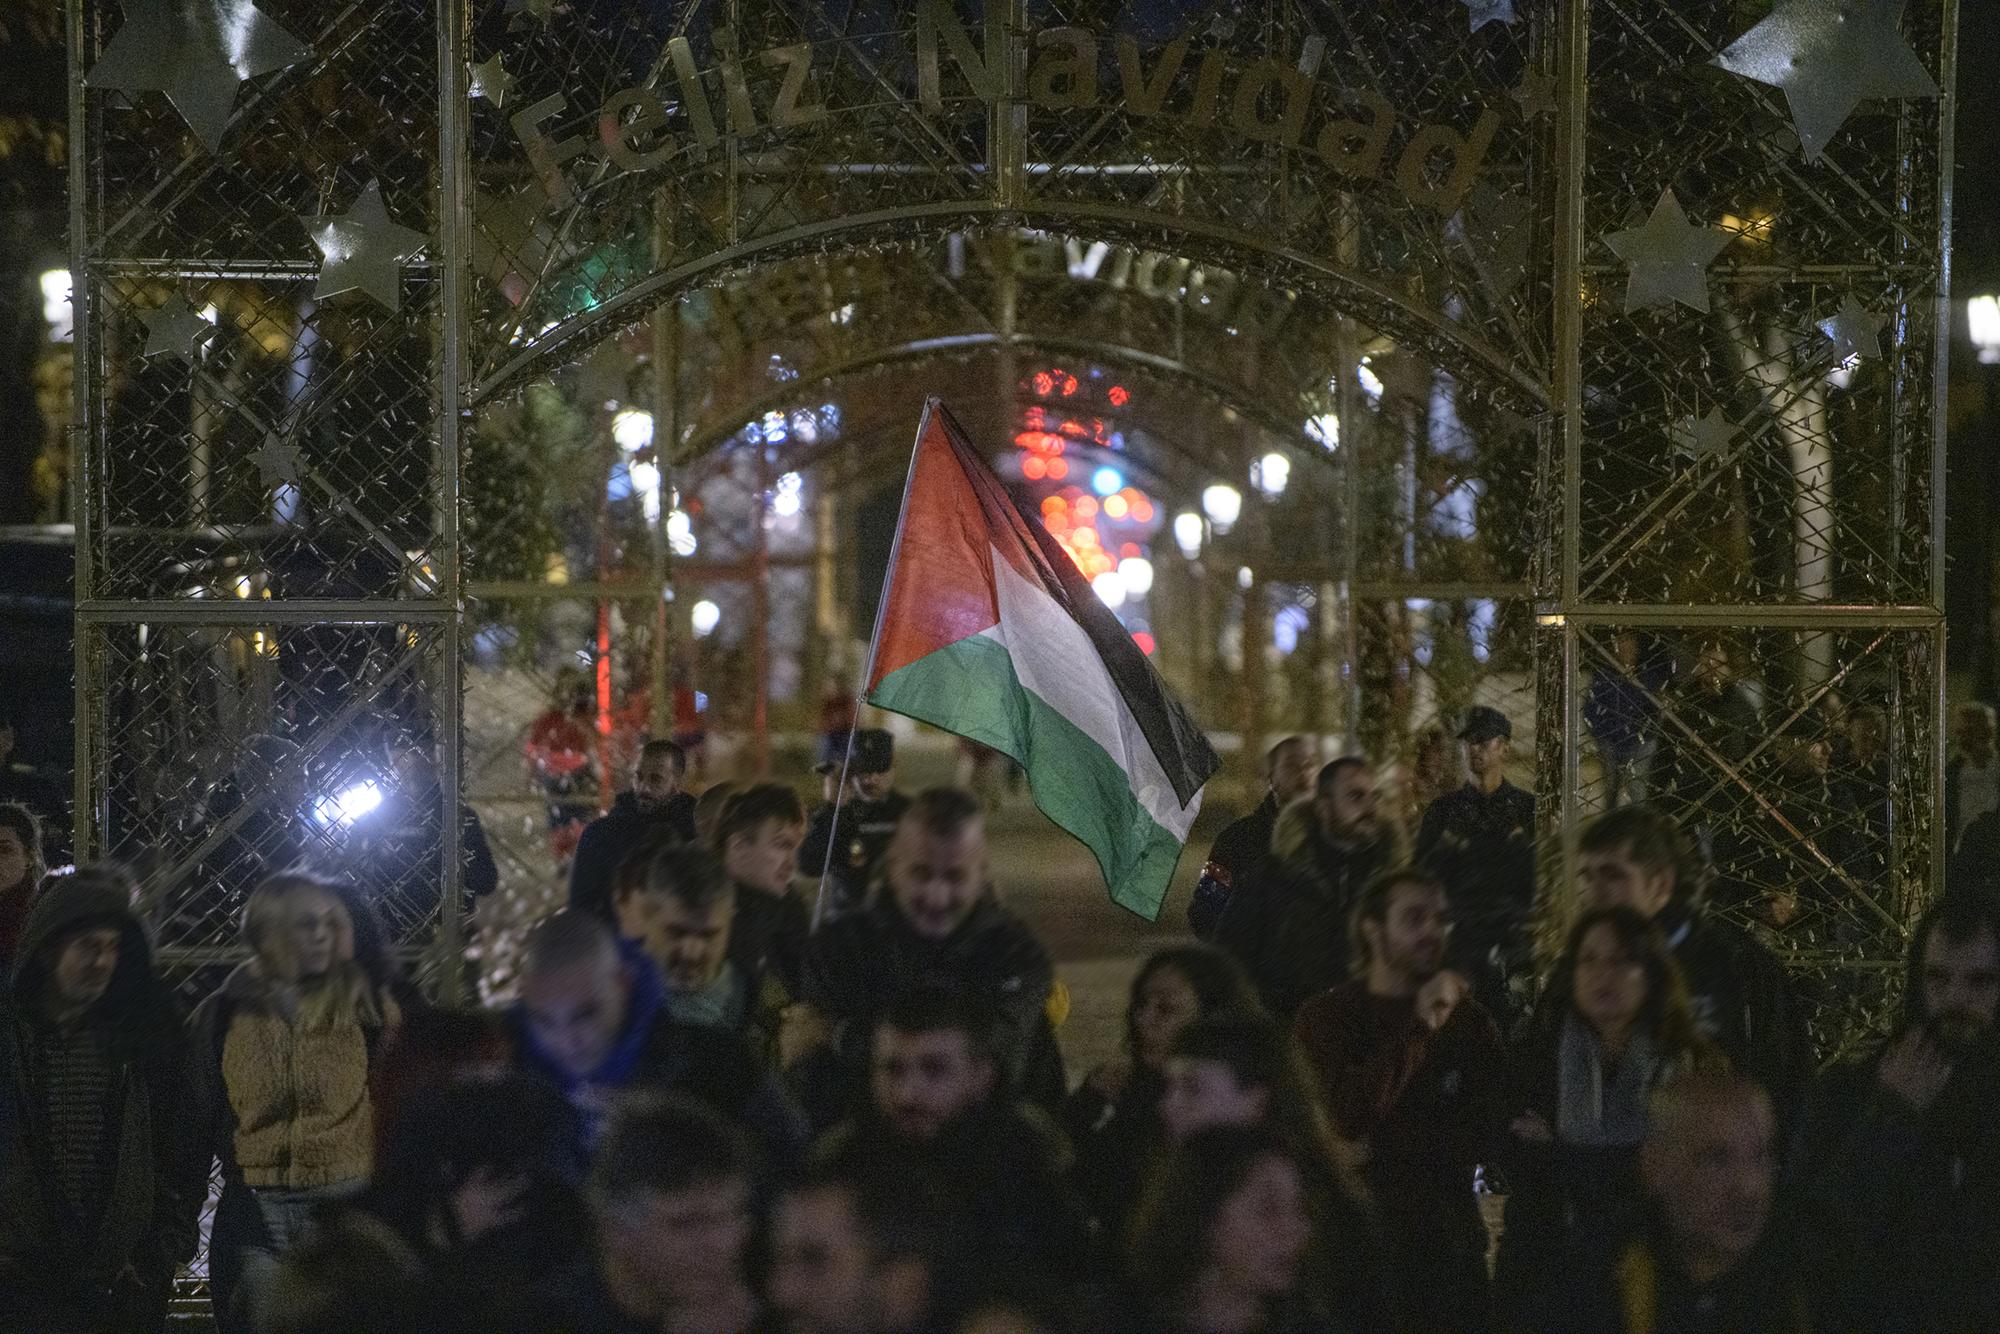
(1829,56)
(1669,258)
(174,328)
(362,250)
(492,81)
(1536,96)
(1706,437)
(277,462)
(1479,13)
(197,52)
(1854,330)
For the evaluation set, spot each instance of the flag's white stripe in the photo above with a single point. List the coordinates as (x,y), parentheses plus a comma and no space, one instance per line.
(1054,658)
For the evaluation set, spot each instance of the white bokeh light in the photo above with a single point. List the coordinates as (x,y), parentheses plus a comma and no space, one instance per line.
(632,429)
(1110,588)
(703,617)
(1137,574)
(1223,504)
(1188,533)
(1271,474)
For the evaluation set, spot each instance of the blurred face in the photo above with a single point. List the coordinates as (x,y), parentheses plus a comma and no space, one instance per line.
(874,787)
(1613,880)
(689,944)
(1260,1235)
(1409,941)
(13,858)
(576,1012)
(1712,667)
(312,927)
(938,879)
(1201,1094)
(822,1274)
(1961,981)
(1292,772)
(681,1246)
(83,969)
(922,1082)
(1610,983)
(1166,1004)
(1626,649)
(1347,807)
(1864,733)
(1484,758)
(1710,1169)
(765,857)
(656,782)
(411,766)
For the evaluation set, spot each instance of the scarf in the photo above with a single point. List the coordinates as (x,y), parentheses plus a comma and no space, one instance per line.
(1593,1110)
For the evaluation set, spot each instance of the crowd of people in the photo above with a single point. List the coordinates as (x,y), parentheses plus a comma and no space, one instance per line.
(722,1102)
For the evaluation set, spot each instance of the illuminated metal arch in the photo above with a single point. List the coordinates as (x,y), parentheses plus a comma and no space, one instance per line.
(1463,351)
(708,435)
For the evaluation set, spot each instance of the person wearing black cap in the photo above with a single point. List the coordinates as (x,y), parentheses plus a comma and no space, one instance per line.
(1480,841)
(867,819)
(99,1193)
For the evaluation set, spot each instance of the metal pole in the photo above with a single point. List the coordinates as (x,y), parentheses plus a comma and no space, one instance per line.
(760,616)
(89,820)
(1572,80)
(454,225)
(666,445)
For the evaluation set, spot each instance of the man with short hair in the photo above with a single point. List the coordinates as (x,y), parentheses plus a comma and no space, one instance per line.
(99,1190)
(1239,851)
(937,921)
(1480,842)
(1702,1253)
(1636,857)
(673,1192)
(592,1020)
(849,852)
(758,837)
(1413,1068)
(1288,922)
(678,906)
(1898,1158)
(860,1250)
(654,810)
(938,1111)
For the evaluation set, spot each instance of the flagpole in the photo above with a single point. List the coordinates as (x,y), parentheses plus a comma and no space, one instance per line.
(868,672)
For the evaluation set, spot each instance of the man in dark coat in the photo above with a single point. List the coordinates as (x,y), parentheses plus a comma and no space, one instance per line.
(1239,851)
(654,810)
(1898,1159)
(1480,841)
(848,851)
(937,922)
(1288,924)
(592,1021)
(1636,857)
(98,1191)
(1413,1068)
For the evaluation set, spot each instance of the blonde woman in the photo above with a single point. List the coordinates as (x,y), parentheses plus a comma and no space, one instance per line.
(282,1054)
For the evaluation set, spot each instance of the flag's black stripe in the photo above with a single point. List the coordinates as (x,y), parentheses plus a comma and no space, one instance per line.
(1178,744)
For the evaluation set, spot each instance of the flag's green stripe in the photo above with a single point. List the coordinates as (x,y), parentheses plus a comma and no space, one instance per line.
(970,688)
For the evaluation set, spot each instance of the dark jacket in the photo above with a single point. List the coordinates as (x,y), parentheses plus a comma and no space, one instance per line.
(855,967)
(1631,1285)
(1287,924)
(1619,712)
(57,1268)
(614,836)
(652,1051)
(1118,1142)
(1430,1105)
(855,848)
(1742,1001)
(1482,846)
(397,855)
(1234,861)
(1902,1209)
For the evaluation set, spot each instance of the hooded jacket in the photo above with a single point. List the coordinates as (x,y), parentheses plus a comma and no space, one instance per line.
(1288,925)
(154,1191)
(614,836)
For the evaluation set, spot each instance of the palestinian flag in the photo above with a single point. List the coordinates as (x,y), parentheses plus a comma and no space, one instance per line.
(987,629)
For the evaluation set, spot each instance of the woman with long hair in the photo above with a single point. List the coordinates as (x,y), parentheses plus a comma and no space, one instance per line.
(1245,1071)
(1224,1238)
(283,1052)
(1612,1025)
(1113,1118)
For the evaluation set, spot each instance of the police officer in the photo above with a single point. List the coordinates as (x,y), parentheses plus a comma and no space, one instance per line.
(867,819)
(1480,841)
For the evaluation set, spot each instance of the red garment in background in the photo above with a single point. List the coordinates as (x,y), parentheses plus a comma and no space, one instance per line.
(559,745)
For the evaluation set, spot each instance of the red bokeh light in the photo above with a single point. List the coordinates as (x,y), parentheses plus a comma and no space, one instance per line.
(1119,396)
(1145,642)
(1034,468)
(1058,468)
